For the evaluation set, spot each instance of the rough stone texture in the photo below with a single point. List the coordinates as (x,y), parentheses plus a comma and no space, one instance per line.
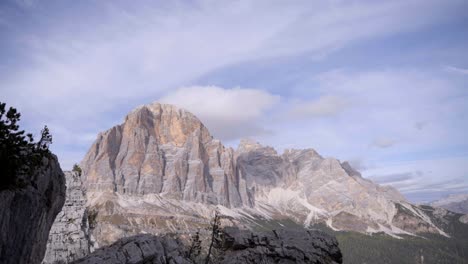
(279,246)
(69,236)
(27,214)
(412,219)
(236,246)
(138,249)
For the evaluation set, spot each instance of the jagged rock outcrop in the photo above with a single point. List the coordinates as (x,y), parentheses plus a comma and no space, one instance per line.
(279,246)
(235,246)
(27,214)
(69,237)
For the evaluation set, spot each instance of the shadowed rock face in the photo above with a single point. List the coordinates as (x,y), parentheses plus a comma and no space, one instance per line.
(279,246)
(27,214)
(236,246)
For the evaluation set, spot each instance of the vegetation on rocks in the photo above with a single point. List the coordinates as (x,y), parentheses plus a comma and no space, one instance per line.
(77,169)
(19,154)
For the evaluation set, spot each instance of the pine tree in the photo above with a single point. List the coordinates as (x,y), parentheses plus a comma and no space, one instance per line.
(19,155)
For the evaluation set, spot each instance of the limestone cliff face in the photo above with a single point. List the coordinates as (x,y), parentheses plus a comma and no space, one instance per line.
(69,236)
(27,214)
(164,150)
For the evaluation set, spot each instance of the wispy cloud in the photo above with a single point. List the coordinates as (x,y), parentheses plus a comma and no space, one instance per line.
(458,70)
(418,179)
(324,106)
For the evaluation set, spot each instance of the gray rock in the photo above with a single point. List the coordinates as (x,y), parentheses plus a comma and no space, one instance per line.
(69,237)
(138,249)
(464,219)
(279,246)
(236,246)
(27,214)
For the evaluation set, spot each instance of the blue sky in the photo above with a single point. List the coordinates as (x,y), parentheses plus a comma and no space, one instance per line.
(382,84)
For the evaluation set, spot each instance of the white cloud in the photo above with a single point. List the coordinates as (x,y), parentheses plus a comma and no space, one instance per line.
(228,113)
(383,143)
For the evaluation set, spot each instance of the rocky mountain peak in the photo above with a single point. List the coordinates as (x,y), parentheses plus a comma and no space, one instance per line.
(249,145)
(167,123)
(162,149)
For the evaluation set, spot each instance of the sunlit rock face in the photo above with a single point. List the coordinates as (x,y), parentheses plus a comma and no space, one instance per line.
(161,149)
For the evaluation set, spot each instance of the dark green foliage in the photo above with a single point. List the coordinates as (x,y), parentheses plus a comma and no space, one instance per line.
(92,217)
(76,169)
(213,255)
(19,154)
(195,248)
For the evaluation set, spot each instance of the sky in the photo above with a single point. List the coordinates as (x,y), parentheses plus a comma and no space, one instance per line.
(382,84)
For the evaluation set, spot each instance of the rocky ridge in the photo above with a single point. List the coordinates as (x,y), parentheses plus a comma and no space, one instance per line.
(456,203)
(235,246)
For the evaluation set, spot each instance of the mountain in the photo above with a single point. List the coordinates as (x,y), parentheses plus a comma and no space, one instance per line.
(164,159)
(161,149)
(161,171)
(456,203)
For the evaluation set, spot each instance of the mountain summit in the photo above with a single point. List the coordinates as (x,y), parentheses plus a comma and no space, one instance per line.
(161,149)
